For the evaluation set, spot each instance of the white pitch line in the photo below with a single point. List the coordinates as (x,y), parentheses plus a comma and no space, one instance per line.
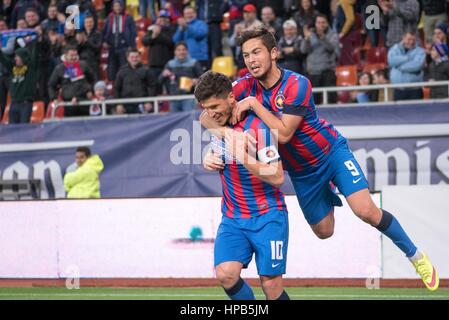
(216,295)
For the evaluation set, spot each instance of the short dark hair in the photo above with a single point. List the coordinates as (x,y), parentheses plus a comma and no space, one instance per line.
(84,150)
(212,84)
(262,33)
(70,48)
(181,43)
(131,50)
(381,73)
(32,9)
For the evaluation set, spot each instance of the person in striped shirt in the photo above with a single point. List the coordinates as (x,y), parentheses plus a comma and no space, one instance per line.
(314,153)
(255,217)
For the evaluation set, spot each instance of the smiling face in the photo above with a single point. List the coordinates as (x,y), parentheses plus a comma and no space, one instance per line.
(258,59)
(219,109)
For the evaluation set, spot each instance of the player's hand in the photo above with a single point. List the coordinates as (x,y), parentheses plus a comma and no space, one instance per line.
(212,162)
(240,144)
(238,112)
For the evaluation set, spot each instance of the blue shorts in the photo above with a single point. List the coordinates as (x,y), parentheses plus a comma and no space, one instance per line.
(315,194)
(265,235)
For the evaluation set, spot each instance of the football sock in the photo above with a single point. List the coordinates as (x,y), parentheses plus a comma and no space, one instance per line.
(390,227)
(240,291)
(283,296)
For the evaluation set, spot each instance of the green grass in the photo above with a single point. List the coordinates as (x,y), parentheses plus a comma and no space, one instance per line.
(216,294)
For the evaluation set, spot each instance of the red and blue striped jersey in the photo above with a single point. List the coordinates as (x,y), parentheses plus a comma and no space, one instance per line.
(244,194)
(292,94)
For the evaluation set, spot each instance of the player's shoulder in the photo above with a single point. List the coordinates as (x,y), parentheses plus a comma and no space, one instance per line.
(247,79)
(292,78)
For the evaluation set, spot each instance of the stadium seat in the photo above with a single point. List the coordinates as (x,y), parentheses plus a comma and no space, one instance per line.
(225,25)
(142,24)
(38,113)
(346,75)
(376,55)
(5,118)
(98,4)
(225,65)
(59,111)
(104,71)
(426,93)
(370,67)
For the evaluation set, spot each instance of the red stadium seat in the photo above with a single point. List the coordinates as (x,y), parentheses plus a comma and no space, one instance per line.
(371,67)
(98,4)
(59,111)
(346,75)
(5,118)
(142,24)
(426,93)
(38,113)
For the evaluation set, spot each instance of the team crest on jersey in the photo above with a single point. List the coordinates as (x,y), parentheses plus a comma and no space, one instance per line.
(280,101)
(270,153)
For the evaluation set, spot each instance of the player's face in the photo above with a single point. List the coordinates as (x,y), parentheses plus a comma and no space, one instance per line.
(80,158)
(219,109)
(258,59)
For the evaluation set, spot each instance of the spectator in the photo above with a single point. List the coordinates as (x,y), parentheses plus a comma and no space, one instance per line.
(397,17)
(406,60)
(23,72)
(434,13)
(249,21)
(6,9)
(273,23)
(193,32)
(211,11)
(159,40)
(290,56)
(21,24)
(84,181)
(440,33)
(134,80)
(438,69)
(32,17)
(181,69)
(119,34)
(363,96)
(145,6)
(322,48)
(305,16)
(89,45)
(347,33)
(74,78)
(21,7)
(4,76)
(380,77)
(100,94)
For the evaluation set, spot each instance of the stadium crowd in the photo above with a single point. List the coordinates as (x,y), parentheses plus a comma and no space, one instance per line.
(126,49)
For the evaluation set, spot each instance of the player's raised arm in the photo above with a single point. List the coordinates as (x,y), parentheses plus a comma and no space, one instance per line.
(264,163)
(285,126)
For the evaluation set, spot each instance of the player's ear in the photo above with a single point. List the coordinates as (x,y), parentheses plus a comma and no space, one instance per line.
(274,53)
(231,98)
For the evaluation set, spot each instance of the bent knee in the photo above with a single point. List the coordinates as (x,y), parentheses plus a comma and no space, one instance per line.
(324,233)
(368,213)
(227,276)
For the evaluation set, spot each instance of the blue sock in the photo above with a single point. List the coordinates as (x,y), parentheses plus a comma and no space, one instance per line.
(283,296)
(390,227)
(240,291)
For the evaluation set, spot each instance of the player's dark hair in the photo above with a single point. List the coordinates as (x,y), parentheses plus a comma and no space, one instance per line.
(84,150)
(212,84)
(262,33)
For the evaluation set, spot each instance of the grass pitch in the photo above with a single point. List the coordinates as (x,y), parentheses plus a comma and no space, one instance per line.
(215,293)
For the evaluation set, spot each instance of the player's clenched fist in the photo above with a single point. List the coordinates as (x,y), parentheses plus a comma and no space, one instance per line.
(212,162)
